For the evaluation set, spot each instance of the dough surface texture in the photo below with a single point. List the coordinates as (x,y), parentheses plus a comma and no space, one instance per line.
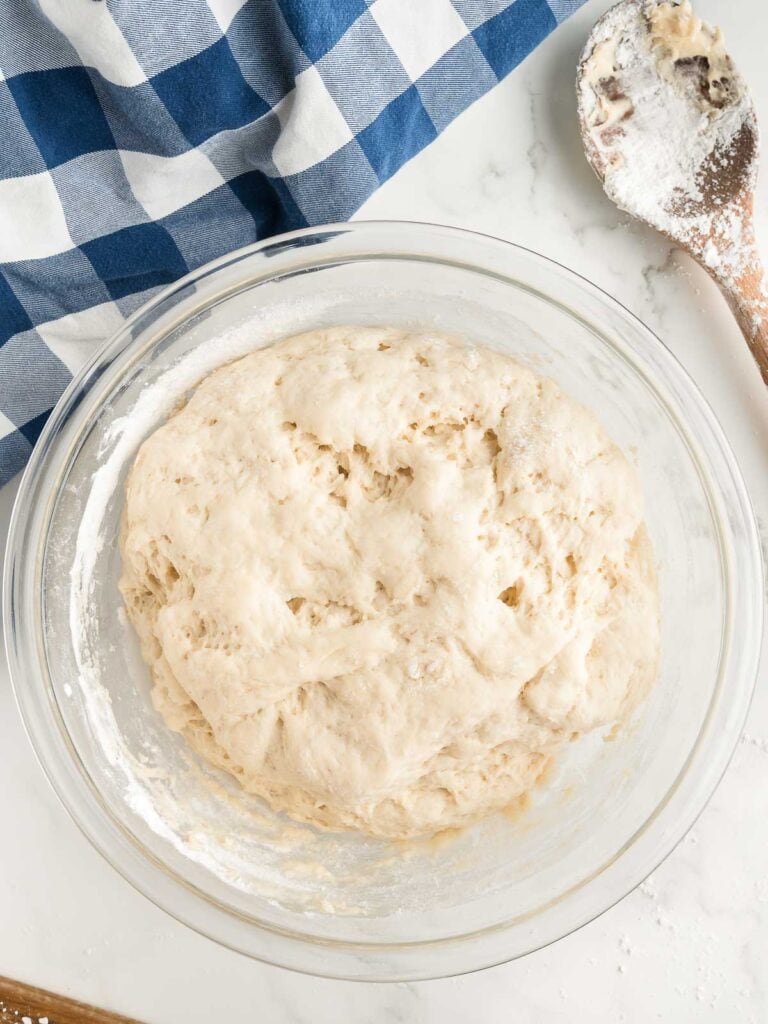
(382,577)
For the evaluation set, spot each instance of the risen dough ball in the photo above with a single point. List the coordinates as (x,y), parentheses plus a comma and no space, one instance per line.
(381,577)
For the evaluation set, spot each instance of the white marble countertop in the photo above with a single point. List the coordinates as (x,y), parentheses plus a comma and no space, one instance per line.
(691,944)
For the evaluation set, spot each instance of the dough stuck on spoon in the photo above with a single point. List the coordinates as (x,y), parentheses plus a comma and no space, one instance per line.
(663,107)
(669,127)
(382,577)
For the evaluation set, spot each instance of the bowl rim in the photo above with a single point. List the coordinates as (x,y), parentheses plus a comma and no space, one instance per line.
(22,621)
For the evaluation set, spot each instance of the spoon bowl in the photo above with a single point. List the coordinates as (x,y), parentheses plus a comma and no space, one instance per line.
(670,129)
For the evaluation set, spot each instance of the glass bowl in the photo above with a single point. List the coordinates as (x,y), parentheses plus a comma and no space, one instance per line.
(339,904)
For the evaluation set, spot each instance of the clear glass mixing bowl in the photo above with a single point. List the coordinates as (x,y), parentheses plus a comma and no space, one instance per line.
(341,905)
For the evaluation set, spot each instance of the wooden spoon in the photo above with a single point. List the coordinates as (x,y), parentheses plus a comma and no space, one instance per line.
(670,129)
(19,1001)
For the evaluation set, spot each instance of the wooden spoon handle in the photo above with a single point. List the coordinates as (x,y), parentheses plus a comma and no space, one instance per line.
(747,294)
(751,312)
(18,1001)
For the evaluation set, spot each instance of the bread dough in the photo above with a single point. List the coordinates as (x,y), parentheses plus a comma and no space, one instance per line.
(381,577)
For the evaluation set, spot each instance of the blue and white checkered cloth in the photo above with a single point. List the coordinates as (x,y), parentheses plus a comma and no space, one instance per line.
(142,138)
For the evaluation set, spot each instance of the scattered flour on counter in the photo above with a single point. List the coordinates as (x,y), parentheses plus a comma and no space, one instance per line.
(758,742)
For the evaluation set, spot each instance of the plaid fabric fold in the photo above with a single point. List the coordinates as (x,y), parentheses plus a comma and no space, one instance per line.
(142,138)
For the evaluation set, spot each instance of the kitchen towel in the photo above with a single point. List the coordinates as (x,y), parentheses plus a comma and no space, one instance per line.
(142,138)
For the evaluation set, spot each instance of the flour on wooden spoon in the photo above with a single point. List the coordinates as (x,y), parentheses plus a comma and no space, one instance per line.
(669,123)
